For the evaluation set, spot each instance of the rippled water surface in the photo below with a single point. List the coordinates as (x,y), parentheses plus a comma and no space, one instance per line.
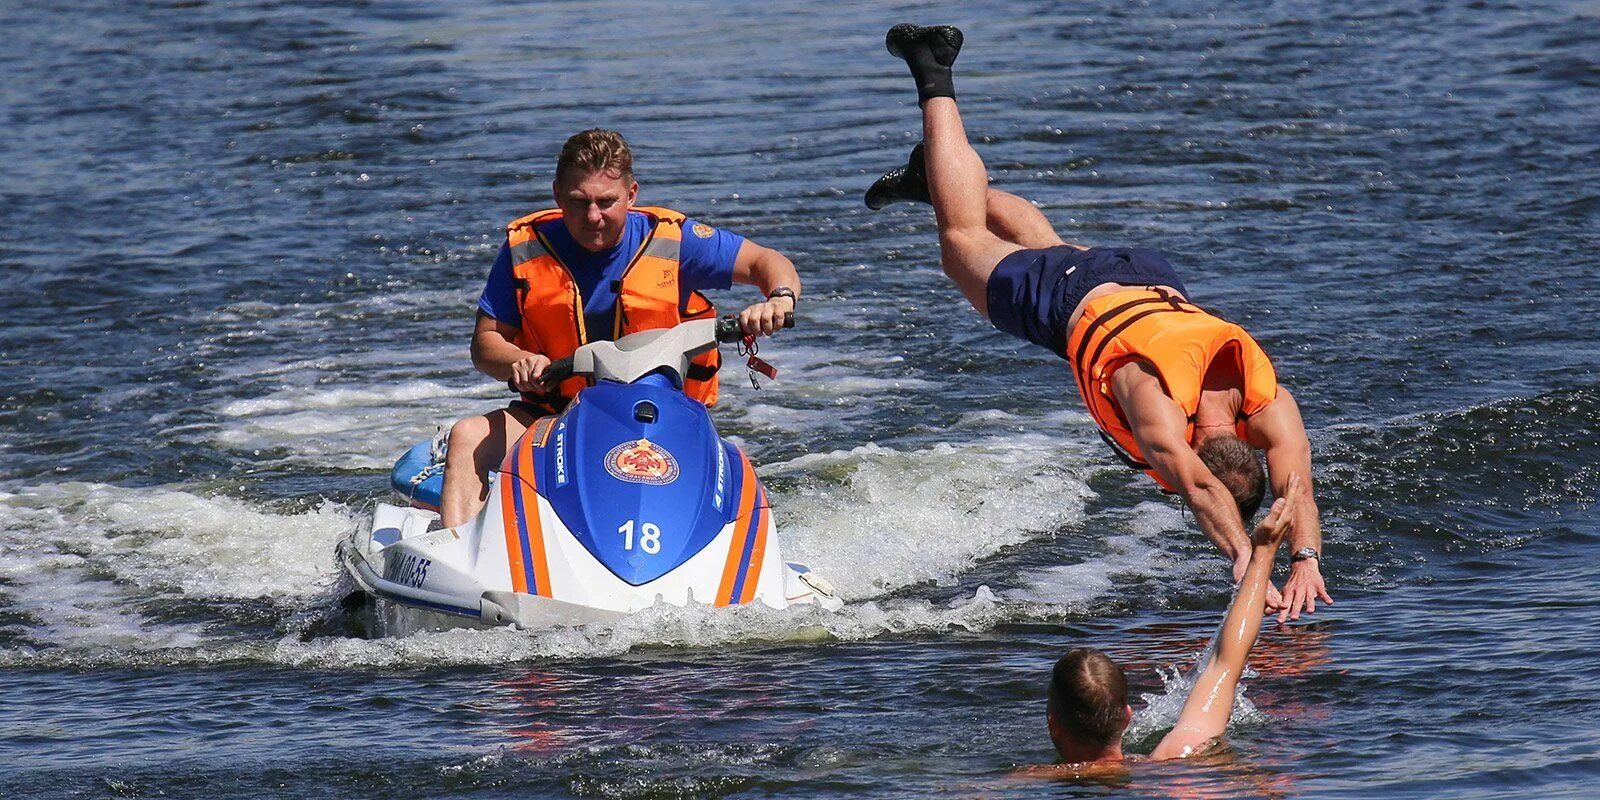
(240,243)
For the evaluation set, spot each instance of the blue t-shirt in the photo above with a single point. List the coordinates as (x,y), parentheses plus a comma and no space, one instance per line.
(705,261)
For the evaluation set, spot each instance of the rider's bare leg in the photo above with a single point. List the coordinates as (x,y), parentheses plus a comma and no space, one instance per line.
(477,445)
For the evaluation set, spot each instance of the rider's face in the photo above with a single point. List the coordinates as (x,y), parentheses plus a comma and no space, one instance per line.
(595,206)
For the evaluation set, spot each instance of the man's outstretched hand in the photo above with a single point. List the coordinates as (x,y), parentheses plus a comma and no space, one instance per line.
(1302,591)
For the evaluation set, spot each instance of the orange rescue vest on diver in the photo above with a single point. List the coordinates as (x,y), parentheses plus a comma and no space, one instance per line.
(1179,341)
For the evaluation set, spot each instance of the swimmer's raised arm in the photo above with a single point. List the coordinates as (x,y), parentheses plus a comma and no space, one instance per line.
(1210,703)
(1280,433)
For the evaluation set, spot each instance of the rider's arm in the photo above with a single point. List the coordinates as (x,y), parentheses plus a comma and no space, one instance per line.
(1158,425)
(494,351)
(495,355)
(766,269)
(1205,712)
(1279,431)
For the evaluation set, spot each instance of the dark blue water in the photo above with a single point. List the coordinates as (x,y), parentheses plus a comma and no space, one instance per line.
(240,243)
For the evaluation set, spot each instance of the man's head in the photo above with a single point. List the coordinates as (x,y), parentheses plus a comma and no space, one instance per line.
(1239,468)
(594,187)
(1088,707)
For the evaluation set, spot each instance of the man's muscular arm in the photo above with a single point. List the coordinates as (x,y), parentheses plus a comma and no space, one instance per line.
(1279,431)
(495,355)
(766,269)
(1158,425)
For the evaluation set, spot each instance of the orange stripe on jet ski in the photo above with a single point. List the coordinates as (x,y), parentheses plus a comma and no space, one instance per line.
(535,527)
(509,486)
(747,502)
(752,572)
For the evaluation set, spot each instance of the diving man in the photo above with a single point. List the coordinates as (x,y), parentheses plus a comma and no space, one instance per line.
(1177,392)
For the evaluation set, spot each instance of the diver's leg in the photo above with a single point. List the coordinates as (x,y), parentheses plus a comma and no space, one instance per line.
(907,184)
(958,186)
(477,445)
(1016,220)
(1006,215)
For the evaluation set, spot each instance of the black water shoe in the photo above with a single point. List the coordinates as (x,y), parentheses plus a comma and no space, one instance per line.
(929,52)
(907,184)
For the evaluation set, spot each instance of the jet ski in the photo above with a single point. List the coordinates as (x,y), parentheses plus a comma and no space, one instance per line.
(626,500)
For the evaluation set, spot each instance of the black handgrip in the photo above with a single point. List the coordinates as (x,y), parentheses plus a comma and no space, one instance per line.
(558,371)
(728,329)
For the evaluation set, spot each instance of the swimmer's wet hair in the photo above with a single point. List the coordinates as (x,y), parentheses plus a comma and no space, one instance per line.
(1089,696)
(1239,468)
(595,150)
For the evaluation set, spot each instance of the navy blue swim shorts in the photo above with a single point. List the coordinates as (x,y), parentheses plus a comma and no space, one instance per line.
(1032,292)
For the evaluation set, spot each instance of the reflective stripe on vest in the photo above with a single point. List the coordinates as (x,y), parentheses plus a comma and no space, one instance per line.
(1179,340)
(648,296)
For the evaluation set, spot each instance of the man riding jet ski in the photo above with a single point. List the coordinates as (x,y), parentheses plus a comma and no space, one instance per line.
(595,268)
(618,502)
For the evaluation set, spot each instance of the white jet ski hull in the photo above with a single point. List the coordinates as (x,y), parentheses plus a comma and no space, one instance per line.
(419,577)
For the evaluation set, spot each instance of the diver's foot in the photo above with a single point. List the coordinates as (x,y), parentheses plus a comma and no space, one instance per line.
(929,52)
(943,42)
(907,184)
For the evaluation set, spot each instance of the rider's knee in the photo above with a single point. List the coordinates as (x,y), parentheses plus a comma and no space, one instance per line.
(467,434)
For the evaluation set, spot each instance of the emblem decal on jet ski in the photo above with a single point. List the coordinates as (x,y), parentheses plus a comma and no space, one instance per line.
(642,461)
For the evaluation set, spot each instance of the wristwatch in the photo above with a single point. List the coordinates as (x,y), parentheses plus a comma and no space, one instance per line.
(1304,553)
(784,291)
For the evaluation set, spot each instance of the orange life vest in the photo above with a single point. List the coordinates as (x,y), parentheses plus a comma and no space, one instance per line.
(552,308)
(1176,338)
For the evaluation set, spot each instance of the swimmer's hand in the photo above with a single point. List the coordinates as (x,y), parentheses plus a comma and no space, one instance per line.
(1272,528)
(1270,533)
(1305,584)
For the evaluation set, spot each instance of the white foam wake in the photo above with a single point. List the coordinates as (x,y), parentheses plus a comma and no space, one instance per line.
(873,519)
(85,562)
(80,560)
(1133,545)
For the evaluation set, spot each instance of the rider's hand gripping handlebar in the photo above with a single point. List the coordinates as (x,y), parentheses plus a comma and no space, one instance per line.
(728,330)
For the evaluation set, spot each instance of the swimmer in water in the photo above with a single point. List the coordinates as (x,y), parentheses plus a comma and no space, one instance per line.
(1185,396)
(1088,707)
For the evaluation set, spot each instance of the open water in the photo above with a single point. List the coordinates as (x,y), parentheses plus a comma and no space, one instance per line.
(240,243)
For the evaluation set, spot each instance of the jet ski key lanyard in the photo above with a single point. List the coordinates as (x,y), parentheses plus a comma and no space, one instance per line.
(753,364)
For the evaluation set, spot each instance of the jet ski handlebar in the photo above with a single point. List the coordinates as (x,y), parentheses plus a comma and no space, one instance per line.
(728,329)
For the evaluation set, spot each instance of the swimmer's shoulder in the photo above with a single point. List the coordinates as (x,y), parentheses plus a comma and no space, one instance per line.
(1114,772)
